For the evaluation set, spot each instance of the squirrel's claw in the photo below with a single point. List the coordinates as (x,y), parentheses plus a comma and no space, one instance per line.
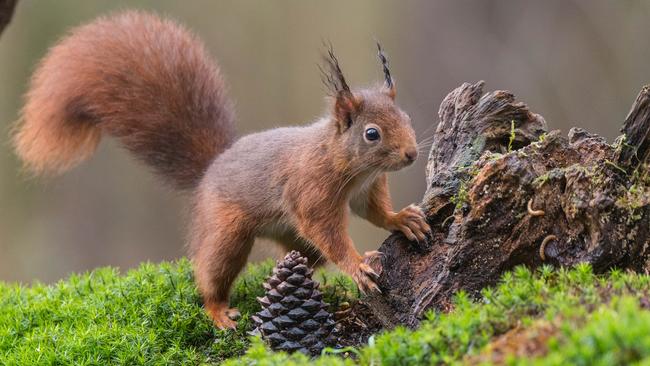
(411,221)
(365,276)
(373,259)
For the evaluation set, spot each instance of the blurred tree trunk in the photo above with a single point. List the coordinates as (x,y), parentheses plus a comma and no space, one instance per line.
(502,192)
(6,12)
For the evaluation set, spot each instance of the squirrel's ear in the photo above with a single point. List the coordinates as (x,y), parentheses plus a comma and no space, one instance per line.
(389,84)
(346,106)
(390,90)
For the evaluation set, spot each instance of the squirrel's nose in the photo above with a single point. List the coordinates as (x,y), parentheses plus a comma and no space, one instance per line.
(411,155)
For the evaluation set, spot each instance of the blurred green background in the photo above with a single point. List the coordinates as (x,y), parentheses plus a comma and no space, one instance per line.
(578,63)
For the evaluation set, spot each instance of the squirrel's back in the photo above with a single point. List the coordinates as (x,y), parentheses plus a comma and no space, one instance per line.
(145,80)
(271,158)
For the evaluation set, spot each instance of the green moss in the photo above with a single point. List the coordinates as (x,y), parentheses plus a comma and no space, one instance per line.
(462,196)
(613,334)
(541,180)
(150,315)
(619,143)
(588,305)
(615,166)
(337,289)
(511,138)
(542,137)
(467,175)
(153,315)
(637,196)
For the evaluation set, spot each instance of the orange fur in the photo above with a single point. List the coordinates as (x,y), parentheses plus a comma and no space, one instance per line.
(149,83)
(220,248)
(145,80)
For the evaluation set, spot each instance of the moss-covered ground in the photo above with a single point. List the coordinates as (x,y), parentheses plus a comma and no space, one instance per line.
(152,315)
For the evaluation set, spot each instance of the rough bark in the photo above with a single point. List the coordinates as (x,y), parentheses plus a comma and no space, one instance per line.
(635,148)
(502,192)
(6,12)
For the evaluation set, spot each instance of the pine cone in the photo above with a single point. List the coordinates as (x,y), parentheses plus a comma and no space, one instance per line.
(294,316)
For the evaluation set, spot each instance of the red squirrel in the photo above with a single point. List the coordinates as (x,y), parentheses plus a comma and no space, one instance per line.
(151,84)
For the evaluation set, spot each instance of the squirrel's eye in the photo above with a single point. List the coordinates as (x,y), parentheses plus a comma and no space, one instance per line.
(372,134)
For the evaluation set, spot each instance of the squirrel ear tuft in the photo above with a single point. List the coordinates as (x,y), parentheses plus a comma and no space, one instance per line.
(332,75)
(346,104)
(389,84)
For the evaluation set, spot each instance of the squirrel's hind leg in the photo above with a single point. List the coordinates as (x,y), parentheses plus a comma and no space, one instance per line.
(221,241)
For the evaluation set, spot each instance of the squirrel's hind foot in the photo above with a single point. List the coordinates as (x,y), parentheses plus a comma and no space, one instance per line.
(365,276)
(222,316)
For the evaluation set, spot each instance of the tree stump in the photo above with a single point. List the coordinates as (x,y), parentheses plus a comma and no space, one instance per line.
(503,192)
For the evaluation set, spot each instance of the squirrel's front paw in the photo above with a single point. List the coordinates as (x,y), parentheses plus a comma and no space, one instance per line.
(366,277)
(412,222)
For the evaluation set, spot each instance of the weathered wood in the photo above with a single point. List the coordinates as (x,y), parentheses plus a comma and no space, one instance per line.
(635,146)
(7,8)
(501,193)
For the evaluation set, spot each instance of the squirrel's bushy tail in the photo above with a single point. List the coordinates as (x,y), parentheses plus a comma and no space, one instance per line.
(144,80)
